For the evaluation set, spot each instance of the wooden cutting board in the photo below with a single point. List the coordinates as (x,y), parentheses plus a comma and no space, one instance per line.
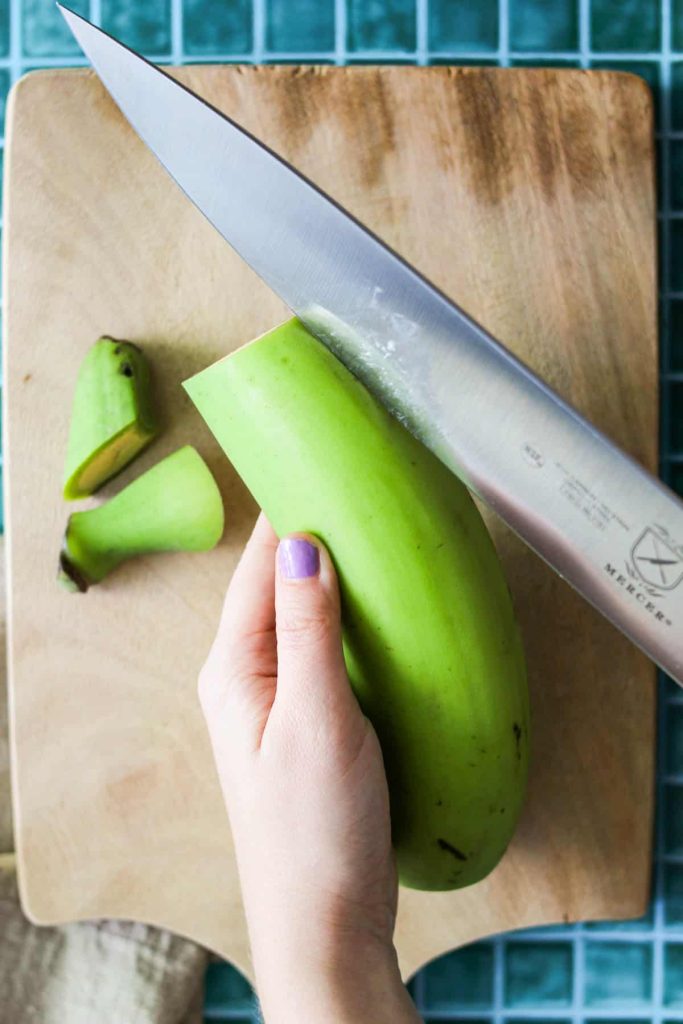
(528,196)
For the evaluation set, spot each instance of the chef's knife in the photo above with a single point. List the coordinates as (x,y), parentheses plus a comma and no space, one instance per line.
(605,524)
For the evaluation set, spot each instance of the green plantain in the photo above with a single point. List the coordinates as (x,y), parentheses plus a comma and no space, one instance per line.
(431,644)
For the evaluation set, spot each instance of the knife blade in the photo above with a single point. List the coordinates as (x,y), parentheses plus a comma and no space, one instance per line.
(604,523)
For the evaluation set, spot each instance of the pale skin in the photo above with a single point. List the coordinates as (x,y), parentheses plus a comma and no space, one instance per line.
(304,785)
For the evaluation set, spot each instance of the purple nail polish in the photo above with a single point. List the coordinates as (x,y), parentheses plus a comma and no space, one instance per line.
(298,558)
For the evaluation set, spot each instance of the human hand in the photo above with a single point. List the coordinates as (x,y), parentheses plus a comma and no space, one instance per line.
(303,780)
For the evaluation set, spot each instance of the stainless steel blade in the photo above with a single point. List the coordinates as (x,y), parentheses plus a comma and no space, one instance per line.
(604,523)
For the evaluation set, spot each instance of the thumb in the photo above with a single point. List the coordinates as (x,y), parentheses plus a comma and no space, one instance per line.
(308,626)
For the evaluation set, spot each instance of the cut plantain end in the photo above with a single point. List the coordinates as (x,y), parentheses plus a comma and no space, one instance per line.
(112,418)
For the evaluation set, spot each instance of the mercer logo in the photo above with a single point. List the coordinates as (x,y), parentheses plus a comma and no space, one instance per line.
(643,596)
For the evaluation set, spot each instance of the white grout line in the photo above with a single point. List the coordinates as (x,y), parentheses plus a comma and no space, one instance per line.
(340,32)
(14,65)
(664,224)
(658,979)
(422,31)
(177,31)
(420,54)
(498,1002)
(658,1012)
(598,1014)
(259,30)
(599,931)
(15,38)
(578,974)
(658,973)
(584,33)
(503,33)
(29,63)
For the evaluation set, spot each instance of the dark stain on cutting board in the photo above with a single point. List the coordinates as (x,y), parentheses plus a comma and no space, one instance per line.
(302,106)
(549,133)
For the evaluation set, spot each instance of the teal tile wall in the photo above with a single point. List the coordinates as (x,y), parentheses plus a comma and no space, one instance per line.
(145,26)
(300,25)
(4,28)
(213,26)
(381,25)
(468,972)
(589,973)
(618,974)
(461,24)
(626,25)
(538,975)
(544,25)
(43,31)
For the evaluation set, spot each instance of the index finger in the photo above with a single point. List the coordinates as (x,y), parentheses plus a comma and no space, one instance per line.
(249,606)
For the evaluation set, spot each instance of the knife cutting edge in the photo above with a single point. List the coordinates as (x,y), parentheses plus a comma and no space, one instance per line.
(604,523)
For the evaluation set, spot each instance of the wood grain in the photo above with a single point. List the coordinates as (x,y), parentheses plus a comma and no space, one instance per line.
(527,196)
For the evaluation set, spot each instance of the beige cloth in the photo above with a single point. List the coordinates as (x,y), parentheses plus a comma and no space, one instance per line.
(104,972)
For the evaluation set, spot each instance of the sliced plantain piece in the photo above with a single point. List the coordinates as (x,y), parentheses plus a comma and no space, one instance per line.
(174,506)
(112,418)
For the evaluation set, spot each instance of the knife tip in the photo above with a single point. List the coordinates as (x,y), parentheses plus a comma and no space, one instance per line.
(67,13)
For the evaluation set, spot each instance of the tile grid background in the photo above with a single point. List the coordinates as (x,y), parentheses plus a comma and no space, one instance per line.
(582,973)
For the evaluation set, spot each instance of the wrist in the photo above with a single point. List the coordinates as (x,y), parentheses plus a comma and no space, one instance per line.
(340,977)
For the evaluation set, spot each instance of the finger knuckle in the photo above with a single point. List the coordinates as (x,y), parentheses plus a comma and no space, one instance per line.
(214,682)
(303,627)
(206,684)
(223,683)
